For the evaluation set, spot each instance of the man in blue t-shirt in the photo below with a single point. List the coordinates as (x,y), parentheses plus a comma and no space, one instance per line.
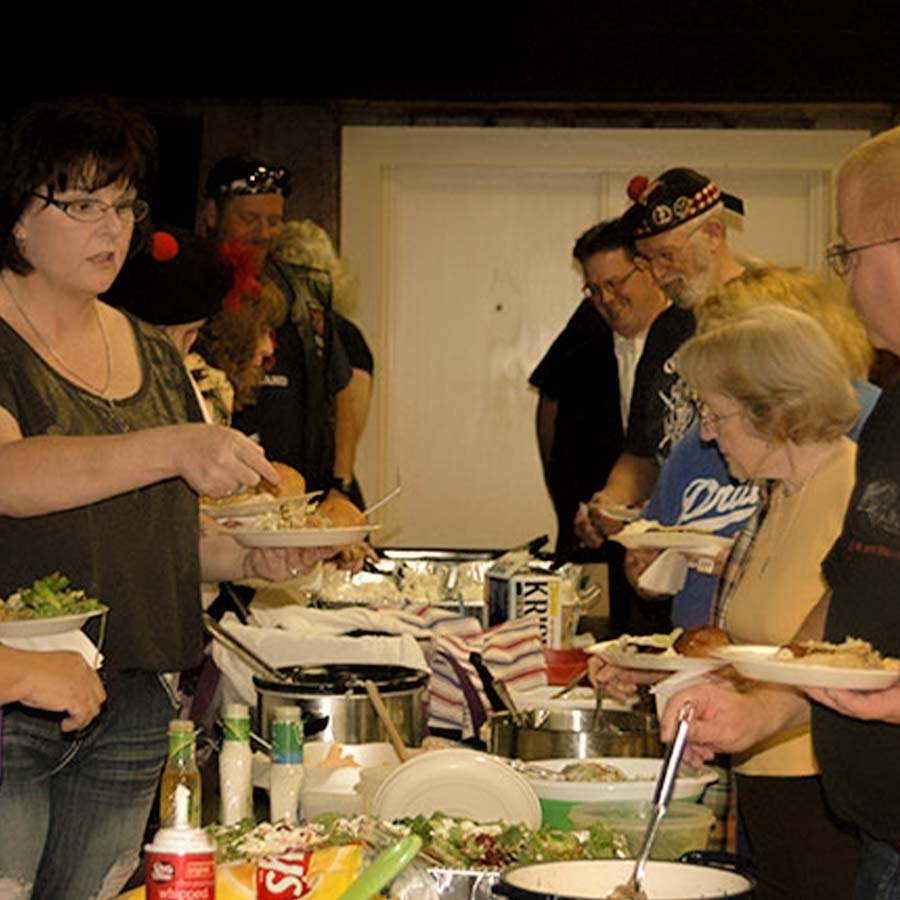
(678,227)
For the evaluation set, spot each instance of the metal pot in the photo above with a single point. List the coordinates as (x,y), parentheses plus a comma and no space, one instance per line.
(338,692)
(463,884)
(571,734)
(594,879)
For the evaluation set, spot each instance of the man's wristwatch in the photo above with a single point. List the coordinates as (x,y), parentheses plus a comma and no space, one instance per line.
(344,485)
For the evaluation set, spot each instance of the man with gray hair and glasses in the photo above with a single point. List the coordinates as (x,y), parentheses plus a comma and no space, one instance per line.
(677,224)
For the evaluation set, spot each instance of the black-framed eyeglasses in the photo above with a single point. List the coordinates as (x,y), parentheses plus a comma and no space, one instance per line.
(608,286)
(90,209)
(840,256)
(667,256)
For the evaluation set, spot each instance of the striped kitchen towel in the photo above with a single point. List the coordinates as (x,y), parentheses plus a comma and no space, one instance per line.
(511,651)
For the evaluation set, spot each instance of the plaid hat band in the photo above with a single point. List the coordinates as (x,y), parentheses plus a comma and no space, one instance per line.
(674,198)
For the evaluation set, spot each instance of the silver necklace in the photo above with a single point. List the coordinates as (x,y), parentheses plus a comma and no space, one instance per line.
(101,391)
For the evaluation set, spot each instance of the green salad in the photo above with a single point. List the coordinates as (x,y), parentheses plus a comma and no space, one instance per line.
(50,596)
(463,844)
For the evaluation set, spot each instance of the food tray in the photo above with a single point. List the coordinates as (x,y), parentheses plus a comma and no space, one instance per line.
(450,582)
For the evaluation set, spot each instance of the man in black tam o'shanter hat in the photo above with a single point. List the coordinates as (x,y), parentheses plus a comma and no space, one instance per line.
(678,225)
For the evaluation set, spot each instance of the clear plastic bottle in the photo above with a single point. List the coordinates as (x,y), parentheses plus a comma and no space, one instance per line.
(181,769)
(235,762)
(286,774)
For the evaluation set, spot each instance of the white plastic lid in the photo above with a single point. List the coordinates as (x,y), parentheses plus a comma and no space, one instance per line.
(181,839)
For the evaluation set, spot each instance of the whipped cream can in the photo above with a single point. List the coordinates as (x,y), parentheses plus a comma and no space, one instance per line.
(180,864)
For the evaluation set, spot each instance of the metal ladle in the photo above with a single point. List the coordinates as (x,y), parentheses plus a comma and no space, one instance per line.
(633,889)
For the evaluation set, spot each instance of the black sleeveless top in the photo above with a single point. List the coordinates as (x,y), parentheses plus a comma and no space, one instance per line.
(137,551)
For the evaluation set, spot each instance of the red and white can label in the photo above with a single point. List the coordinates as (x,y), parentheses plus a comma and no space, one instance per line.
(283,878)
(180,876)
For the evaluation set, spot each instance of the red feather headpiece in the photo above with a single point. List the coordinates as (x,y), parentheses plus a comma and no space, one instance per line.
(244,264)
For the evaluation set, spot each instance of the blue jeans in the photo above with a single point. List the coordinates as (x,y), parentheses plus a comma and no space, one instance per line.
(879,871)
(73,808)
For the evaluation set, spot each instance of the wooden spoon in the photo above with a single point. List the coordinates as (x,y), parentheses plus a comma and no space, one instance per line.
(375,697)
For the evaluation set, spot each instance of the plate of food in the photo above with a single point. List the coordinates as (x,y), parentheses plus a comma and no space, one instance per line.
(458,782)
(248,508)
(647,534)
(302,537)
(333,522)
(610,778)
(852,665)
(262,498)
(49,606)
(681,650)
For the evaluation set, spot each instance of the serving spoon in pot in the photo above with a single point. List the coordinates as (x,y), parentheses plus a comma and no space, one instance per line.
(633,889)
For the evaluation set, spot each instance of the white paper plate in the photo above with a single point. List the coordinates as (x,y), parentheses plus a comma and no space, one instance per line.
(687,541)
(254,507)
(621,513)
(611,652)
(301,537)
(687,786)
(755,661)
(577,698)
(47,625)
(458,782)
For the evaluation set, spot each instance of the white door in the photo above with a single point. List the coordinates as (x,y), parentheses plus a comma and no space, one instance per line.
(462,239)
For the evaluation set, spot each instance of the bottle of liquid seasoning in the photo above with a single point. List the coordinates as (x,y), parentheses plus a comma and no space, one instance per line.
(181,769)
(286,773)
(235,762)
(180,864)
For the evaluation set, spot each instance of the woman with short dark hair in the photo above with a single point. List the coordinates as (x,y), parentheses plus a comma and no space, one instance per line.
(102,454)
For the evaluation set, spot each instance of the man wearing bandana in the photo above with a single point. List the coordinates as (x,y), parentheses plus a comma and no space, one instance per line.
(298,417)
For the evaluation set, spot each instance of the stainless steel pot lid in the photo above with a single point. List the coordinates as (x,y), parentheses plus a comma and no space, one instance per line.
(328,680)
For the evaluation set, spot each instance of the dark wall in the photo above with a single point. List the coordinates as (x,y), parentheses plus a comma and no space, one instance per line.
(306,136)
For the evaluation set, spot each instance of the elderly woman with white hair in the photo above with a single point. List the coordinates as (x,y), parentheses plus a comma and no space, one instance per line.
(776,397)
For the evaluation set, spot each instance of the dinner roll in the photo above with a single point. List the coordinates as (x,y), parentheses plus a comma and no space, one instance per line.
(341,513)
(701,641)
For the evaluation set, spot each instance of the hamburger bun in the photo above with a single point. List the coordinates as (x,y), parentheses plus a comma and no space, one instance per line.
(339,512)
(701,641)
(292,484)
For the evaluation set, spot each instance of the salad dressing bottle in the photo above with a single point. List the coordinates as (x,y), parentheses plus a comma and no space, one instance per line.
(286,773)
(235,762)
(181,769)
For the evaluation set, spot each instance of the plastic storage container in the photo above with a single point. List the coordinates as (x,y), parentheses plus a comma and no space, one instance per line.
(685,826)
(564,665)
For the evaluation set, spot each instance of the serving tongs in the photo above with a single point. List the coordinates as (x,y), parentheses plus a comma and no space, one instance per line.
(243,652)
(502,690)
(379,835)
(633,889)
